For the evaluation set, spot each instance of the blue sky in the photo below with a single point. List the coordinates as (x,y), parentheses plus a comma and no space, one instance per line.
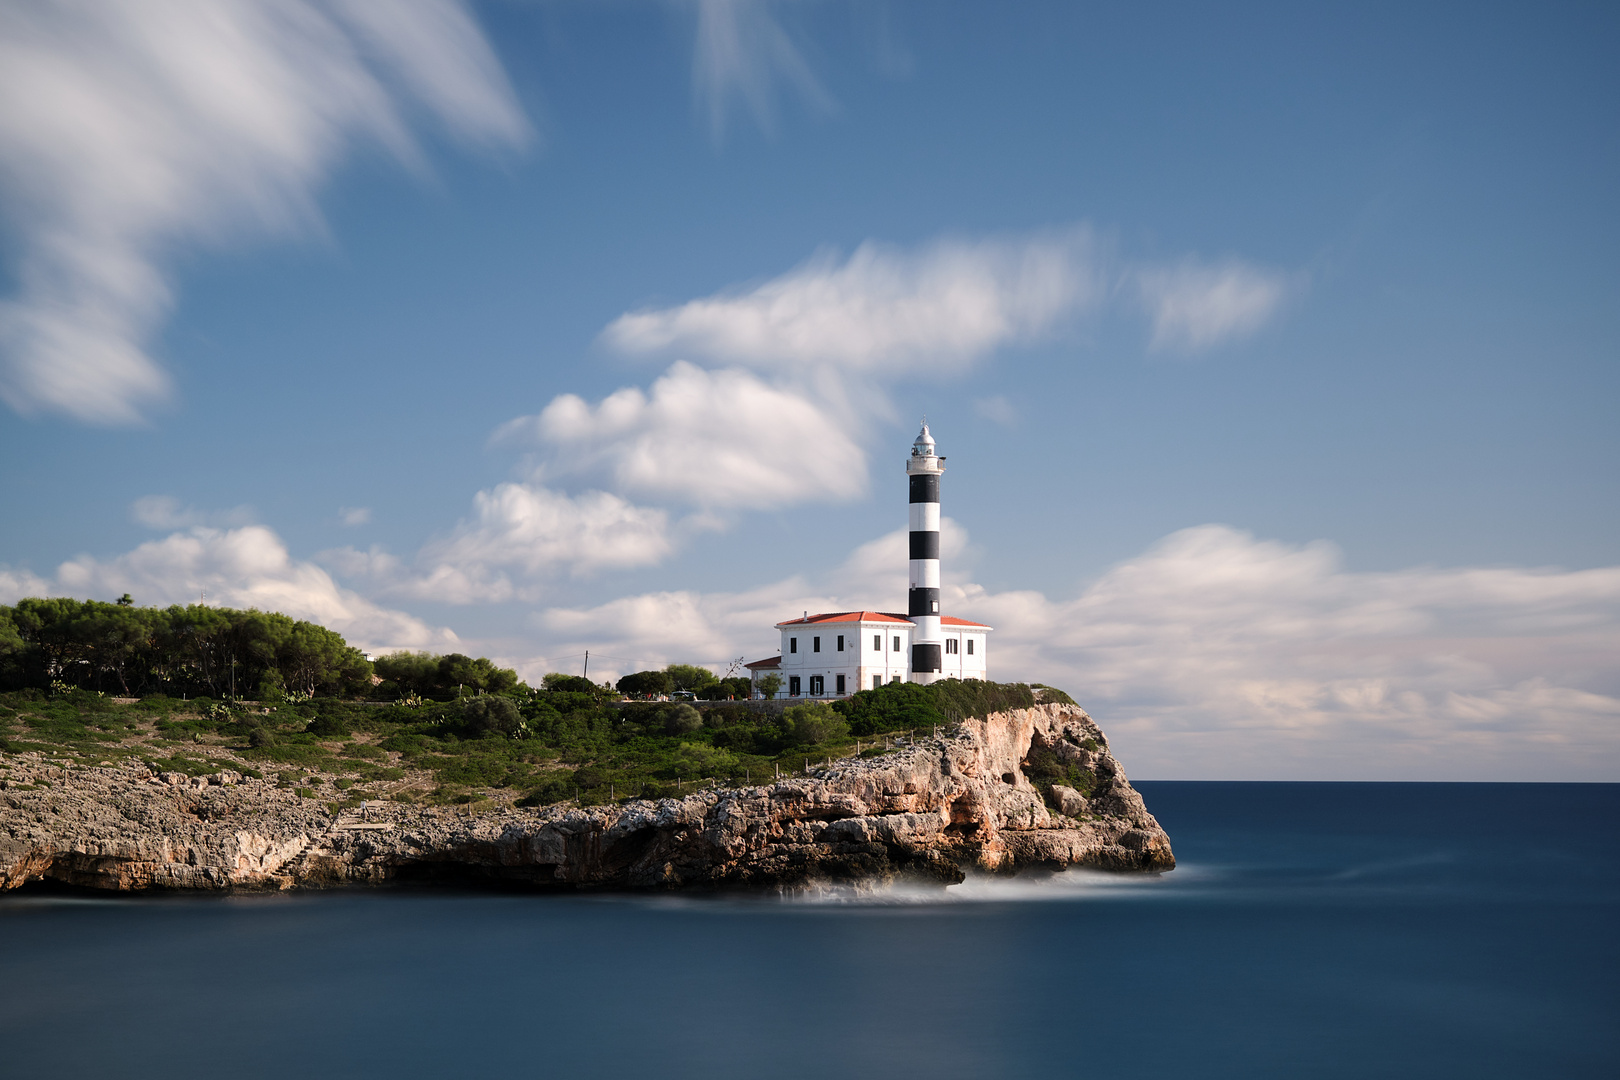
(1273,348)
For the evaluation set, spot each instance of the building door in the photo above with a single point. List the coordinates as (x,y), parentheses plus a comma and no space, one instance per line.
(818,686)
(839,684)
(793,686)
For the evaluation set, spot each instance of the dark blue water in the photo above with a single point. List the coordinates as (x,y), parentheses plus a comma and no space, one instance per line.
(1321,930)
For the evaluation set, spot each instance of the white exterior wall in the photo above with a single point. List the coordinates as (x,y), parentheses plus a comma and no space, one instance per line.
(960,664)
(858,663)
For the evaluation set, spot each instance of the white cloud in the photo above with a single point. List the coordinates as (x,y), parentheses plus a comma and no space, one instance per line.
(1220,655)
(353,516)
(16,584)
(1195,306)
(635,633)
(742,53)
(127,129)
(165,512)
(885,309)
(714,438)
(521,537)
(240,568)
(1217,655)
(683,626)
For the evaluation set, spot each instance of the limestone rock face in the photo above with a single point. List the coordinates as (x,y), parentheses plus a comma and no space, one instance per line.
(932,809)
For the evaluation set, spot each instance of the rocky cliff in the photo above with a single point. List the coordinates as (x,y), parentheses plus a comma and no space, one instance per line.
(968,799)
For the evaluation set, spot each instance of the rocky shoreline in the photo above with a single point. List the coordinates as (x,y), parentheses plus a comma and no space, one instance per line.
(934,810)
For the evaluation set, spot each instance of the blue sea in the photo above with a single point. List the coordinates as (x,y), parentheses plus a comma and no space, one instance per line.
(1311,930)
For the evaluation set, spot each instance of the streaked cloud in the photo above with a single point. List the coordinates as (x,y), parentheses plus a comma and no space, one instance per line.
(1195,306)
(885,309)
(130,130)
(744,56)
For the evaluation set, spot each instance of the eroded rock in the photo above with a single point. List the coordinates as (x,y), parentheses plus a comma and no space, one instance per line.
(933,810)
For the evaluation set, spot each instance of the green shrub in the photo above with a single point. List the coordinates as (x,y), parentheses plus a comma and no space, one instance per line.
(813,723)
(327,726)
(701,759)
(1051,695)
(492,715)
(891,707)
(1045,768)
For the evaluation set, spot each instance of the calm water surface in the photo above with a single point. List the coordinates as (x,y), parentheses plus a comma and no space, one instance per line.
(1317,930)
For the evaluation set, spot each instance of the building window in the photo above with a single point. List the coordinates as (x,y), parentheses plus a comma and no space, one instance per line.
(950,646)
(877,642)
(897,643)
(815,644)
(793,644)
(935,605)
(970,646)
(877,681)
(895,679)
(840,642)
(793,686)
(818,686)
(839,683)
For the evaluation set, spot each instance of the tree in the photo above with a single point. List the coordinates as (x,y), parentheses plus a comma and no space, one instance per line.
(410,672)
(569,684)
(13,652)
(689,676)
(466,673)
(645,684)
(770,684)
(737,687)
(314,658)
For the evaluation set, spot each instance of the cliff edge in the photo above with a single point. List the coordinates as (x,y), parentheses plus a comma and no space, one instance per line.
(981,796)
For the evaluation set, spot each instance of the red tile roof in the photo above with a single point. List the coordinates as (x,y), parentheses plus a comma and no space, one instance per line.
(848,616)
(874,617)
(768,662)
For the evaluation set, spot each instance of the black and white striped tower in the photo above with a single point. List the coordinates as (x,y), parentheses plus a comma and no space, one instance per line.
(927,644)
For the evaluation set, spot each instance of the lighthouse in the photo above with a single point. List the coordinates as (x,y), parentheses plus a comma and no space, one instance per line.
(839,653)
(924,469)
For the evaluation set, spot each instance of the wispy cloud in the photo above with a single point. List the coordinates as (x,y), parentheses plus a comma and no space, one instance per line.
(354,516)
(129,129)
(1194,305)
(743,55)
(885,309)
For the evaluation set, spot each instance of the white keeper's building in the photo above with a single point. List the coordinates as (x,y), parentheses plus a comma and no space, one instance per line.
(837,654)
